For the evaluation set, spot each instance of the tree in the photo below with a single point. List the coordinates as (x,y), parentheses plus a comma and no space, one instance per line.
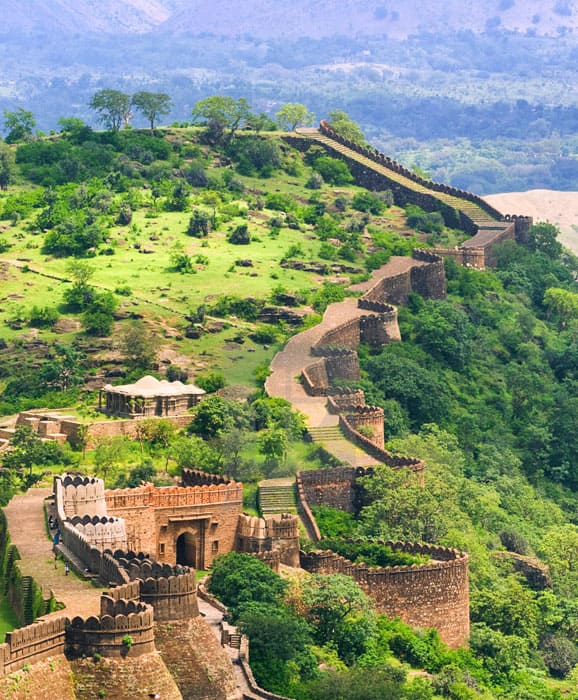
(562,303)
(333,170)
(340,613)
(544,238)
(273,443)
(222,115)
(240,235)
(139,346)
(343,125)
(211,417)
(292,115)
(19,125)
(238,579)
(199,224)
(7,166)
(98,318)
(194,453)
(112,108)
(152,105)
(108,452)
(279,641)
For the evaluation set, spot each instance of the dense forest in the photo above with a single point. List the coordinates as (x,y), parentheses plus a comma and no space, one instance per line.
(131,251)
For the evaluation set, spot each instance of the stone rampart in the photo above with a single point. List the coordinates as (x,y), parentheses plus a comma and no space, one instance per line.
(428,280)
(196,477)
(335,488)
(103,532)
(124,628)
(171,590)
(381,159)
(434,594)
(61,428)
(273,533)
(315,379)
(31,644)
(366,444)
(368,419)
(149,496)
(79,495)
(343,398)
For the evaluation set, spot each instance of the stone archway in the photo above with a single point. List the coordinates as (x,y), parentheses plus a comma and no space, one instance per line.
(187,550)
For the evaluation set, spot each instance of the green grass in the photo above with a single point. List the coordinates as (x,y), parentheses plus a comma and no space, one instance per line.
(8,619)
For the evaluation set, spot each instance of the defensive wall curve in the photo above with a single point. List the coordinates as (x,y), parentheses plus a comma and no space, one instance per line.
(434,594)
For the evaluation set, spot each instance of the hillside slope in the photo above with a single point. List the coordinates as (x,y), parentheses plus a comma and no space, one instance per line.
(269,19)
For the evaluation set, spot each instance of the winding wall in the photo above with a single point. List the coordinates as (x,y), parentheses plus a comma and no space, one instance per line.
(435,594)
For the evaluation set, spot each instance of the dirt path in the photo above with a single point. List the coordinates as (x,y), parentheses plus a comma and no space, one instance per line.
(26,524)
(288,364)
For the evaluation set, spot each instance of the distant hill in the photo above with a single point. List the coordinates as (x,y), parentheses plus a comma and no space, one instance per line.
(280,18)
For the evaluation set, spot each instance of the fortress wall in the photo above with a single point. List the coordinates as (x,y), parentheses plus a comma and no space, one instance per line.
(370,417)
(304,509)
(381,159)
(195,477)
(468,257)
(155,517)
(346,336)
(330,487)
(31,644)
(341,398)
(79,495)
(171,590)
(390,290)
(378,330)
(315,379)
(109,633)
(394,461)
(429,280)
(343,366)
(272,534)
(435,594)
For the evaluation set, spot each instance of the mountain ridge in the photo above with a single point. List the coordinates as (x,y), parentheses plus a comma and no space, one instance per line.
(270,19)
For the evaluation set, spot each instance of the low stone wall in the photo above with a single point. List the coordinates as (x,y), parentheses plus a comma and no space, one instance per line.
(305,513)
(195,477)
(31,644)
(435,594)
(393,461)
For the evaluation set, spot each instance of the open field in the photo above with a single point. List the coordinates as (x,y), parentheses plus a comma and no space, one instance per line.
(560,208)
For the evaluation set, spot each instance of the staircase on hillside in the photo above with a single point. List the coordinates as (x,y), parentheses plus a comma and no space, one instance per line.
(277,496)
(327,433)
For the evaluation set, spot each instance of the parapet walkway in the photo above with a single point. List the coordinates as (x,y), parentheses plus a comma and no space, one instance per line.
(284,380)
(26,525)
(472,210)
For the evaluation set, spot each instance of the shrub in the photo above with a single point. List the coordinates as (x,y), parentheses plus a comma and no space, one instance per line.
(210,381)
(333,171)
(240,235)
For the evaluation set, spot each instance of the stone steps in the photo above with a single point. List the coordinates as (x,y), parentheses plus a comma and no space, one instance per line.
(323,434)
(277,496)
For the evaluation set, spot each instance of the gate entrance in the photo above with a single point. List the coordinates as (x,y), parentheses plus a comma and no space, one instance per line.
(186,547)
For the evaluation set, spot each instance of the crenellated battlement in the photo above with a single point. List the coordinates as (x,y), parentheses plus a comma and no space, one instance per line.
(150,496)
(277,533)
(434,594)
